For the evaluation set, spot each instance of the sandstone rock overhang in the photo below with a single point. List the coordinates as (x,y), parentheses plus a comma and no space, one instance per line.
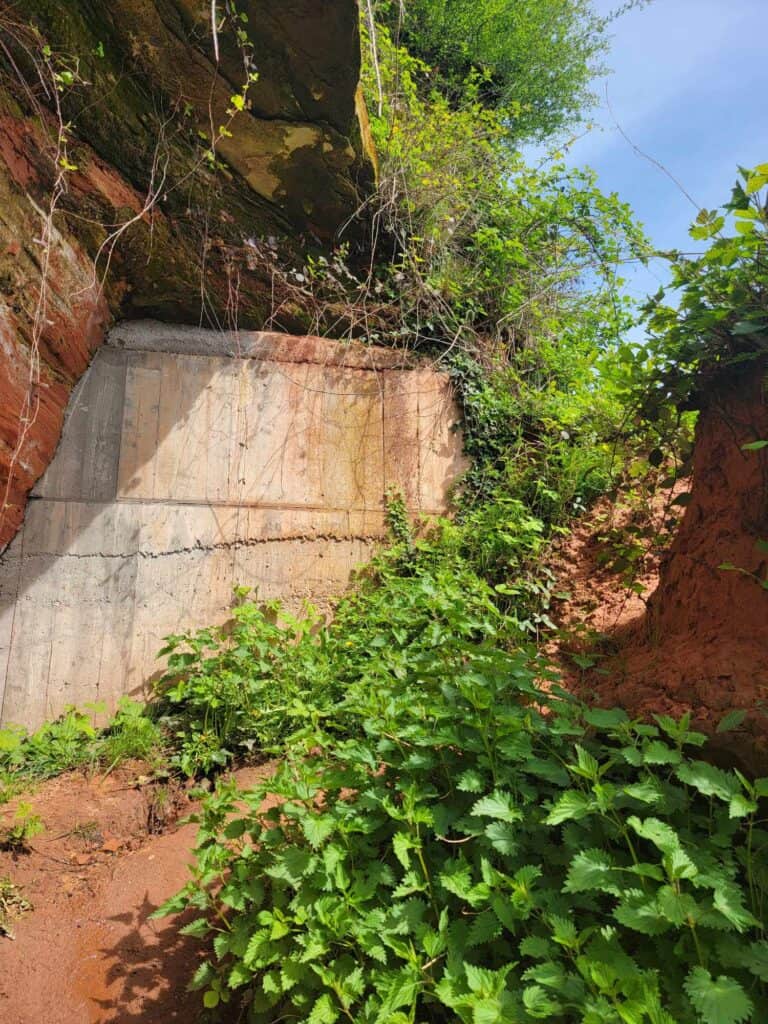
(144,225)
(193,461)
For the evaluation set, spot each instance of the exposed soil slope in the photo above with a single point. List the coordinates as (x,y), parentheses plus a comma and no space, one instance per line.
(88,952)
(701,645)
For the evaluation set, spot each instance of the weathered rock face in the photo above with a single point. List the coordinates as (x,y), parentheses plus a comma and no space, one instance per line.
(194,461)
(703,645)
(134,219)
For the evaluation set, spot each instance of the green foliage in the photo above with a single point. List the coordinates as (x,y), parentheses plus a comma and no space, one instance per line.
(454,841)
(25,826)
(512,271)
(538,433)
(74,741)
(132,734)
(230,690)
(53,748)
(719,323)
(449,834)
(535,59)
(473,250)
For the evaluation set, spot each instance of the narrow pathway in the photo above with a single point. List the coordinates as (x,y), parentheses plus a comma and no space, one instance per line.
(88,952)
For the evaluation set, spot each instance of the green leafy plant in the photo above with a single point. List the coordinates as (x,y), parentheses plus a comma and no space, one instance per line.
(536,59)
(26,825)
(132,734)
(55,747)
(717,322)
(74,741)
(234,689)
(461,843)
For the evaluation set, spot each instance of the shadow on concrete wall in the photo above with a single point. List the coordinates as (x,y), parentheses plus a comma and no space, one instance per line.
(184,470)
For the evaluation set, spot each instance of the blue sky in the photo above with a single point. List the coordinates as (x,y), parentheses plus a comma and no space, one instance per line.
(689,86)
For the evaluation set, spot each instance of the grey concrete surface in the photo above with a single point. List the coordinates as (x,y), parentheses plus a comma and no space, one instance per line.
(194,461)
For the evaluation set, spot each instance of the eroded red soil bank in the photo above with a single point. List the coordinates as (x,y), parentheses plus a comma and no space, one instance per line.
(702,643)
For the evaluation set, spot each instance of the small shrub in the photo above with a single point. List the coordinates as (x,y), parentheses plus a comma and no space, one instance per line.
(74,741)
(55,747)
(26,825)
(132,734)
(479,849)
(231,690)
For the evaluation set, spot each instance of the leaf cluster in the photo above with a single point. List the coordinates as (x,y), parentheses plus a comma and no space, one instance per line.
(73,740)
(458,841)
(712,320)
(536,60)
(234,690)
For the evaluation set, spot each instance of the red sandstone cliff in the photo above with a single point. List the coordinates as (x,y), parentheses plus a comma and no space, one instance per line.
(132,219)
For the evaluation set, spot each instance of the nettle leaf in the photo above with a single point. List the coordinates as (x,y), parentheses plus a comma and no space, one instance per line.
(507,912)
(396,989)
(645,870)
(741,806)
(402,844)
(324,1011)
(662,836)
(590,869)
(604,718)
(290,865)
(503,837)
(291,974)
(536,946)
(499,805)
(756,959)
(539,1003)
(657,752)
(563,931)
(549,973)
(677,907)
(233,896)
(317,829)
(239,975)
(548,770)
(197,928)
(728,899)
(734,718)
(634,1011)
(571,806)
(709,780)
(586,765)
(457,878)
(632,756)
(485,982)
(484,928)
(204,974)
(471,781)
(717,1000)
(648,791)
(641,912)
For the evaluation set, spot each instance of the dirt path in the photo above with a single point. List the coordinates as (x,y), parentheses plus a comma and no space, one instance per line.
(88,952)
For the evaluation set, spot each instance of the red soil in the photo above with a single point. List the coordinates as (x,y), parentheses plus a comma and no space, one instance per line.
(88,952)
(701,644)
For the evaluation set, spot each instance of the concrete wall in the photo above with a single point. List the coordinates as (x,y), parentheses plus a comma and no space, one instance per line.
(193,461)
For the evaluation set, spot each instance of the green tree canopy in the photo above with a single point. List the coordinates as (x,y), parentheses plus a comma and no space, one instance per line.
(537,58)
